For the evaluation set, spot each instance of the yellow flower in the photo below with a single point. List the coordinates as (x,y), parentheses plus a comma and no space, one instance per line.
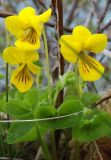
(27,27)
(22,76)
(75,47)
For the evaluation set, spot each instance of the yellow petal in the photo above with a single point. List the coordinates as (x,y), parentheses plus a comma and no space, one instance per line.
(12,55)
(22,79)
(30,40)
(69,48)
(15,25)
(44,17)
(30,56)
(90,69)
(81,34)
(37,25)
(27,14)
(34,68)
(96,43)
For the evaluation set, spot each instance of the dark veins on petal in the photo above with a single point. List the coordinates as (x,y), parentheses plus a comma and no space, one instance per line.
(88,64)
(22,75)
(30,36)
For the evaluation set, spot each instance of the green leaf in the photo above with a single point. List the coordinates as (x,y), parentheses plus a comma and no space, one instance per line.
(32,98)
(46,111)
(70,106)
(19,95)
(24,131)
(2,103)
(20,132)
(16,108)
(43,98)
(66,80)
(92,126)
(89,98)
(11,93)
(56,121)
(38,63)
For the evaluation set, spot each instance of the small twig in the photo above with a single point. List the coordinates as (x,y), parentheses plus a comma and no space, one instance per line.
(53,4)
(39,153)
(98,150)
(12,6)
(72,12)
(104,27)
(104,14)
(4,14)
(52,24)
(7,158)
(94,8)
(36,3)
(102,100)
(42,4)
(88,19)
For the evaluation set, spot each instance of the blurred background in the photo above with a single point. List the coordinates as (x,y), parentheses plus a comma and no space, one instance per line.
(95,14)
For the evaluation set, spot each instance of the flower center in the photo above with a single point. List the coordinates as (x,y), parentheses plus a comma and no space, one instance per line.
(30,36)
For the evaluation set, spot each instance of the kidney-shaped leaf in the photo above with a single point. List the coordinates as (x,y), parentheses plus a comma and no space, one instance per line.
(16,108)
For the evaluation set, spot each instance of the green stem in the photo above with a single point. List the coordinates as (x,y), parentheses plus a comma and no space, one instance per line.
(7,72)
(47,65)
(79,90)
(78,86)
(6,82)
(43,144)
(49,86)
(55,98)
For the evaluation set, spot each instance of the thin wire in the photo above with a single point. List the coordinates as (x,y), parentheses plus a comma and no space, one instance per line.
(41,119)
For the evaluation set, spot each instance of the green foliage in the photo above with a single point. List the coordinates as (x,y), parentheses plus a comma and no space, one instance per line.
(20,132)
(2,103)
(89,98)
(24,107)
(32,98)
(87,124)
(46,111)
(93,125)
(16,108)
(1,76)
(66,121)
(70,106)
(67,79)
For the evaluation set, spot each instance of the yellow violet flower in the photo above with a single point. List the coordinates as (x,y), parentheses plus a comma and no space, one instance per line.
(22,76)
(27,27)
(75,47)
